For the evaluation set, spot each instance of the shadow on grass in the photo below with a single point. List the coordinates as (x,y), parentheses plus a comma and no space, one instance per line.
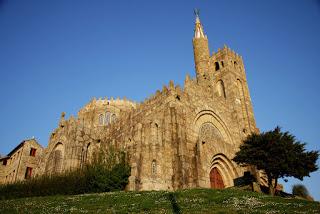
(175,206)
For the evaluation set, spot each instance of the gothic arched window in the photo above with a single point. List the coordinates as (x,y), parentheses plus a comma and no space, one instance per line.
(101,119)
(221,89)
(107,119)
(55,161)
(113,117)
(240,88)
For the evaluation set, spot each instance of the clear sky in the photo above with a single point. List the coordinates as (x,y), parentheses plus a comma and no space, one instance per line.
(57,55)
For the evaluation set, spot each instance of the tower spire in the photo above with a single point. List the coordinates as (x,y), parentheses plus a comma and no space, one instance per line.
(201,51)
(198,30)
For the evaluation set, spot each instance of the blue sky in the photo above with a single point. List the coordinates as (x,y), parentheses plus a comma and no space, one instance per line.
(56,55)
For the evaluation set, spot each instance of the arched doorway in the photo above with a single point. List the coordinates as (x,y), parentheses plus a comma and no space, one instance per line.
(55,160)
(216,179)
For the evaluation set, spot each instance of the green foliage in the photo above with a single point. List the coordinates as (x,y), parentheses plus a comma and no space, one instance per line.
(300,190)
(109,171)
(278,153)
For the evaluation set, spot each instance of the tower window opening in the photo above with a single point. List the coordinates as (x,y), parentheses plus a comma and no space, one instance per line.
(235,63)
(222,63)
(217,66)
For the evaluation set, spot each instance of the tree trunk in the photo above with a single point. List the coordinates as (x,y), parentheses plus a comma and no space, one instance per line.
(271,189)
(275,185)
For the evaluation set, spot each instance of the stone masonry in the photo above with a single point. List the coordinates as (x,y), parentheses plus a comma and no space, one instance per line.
(21,162)
(180,137)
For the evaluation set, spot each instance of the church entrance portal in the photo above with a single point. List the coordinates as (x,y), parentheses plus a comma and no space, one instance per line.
(216,179)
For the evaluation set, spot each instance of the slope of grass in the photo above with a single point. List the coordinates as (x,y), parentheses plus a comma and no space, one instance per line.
(182,201)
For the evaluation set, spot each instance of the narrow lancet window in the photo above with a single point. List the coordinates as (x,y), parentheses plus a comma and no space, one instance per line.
(154,167)
(107,119)
(101,119)
(221,89)
(113,117)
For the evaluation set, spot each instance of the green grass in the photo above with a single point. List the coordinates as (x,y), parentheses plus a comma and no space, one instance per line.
(182,201)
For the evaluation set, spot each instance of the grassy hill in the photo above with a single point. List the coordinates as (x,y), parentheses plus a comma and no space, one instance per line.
(183,201)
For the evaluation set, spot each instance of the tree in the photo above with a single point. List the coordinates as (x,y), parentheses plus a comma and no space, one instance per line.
(279,154)
(300,190)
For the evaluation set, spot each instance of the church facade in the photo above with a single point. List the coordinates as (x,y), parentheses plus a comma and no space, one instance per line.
(180,137)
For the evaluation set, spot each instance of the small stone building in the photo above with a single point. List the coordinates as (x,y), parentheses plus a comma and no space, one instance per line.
(21,162)
(180,137)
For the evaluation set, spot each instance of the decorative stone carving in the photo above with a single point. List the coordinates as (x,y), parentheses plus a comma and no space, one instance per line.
(209,133)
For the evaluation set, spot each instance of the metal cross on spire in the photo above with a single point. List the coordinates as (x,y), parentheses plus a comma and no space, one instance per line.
(198,31)
(196,12)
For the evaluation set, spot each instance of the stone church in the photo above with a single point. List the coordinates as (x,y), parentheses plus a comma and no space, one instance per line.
(180,137)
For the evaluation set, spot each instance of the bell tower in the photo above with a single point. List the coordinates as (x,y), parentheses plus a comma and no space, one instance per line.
(200,50)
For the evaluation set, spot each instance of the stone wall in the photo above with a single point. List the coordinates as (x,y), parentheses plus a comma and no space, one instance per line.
(175,138)
(18,160)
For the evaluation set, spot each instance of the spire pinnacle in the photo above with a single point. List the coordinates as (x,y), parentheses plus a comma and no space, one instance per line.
(196,13)
(198,31)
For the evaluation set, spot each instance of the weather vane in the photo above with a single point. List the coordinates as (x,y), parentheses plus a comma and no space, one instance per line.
(196,12)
